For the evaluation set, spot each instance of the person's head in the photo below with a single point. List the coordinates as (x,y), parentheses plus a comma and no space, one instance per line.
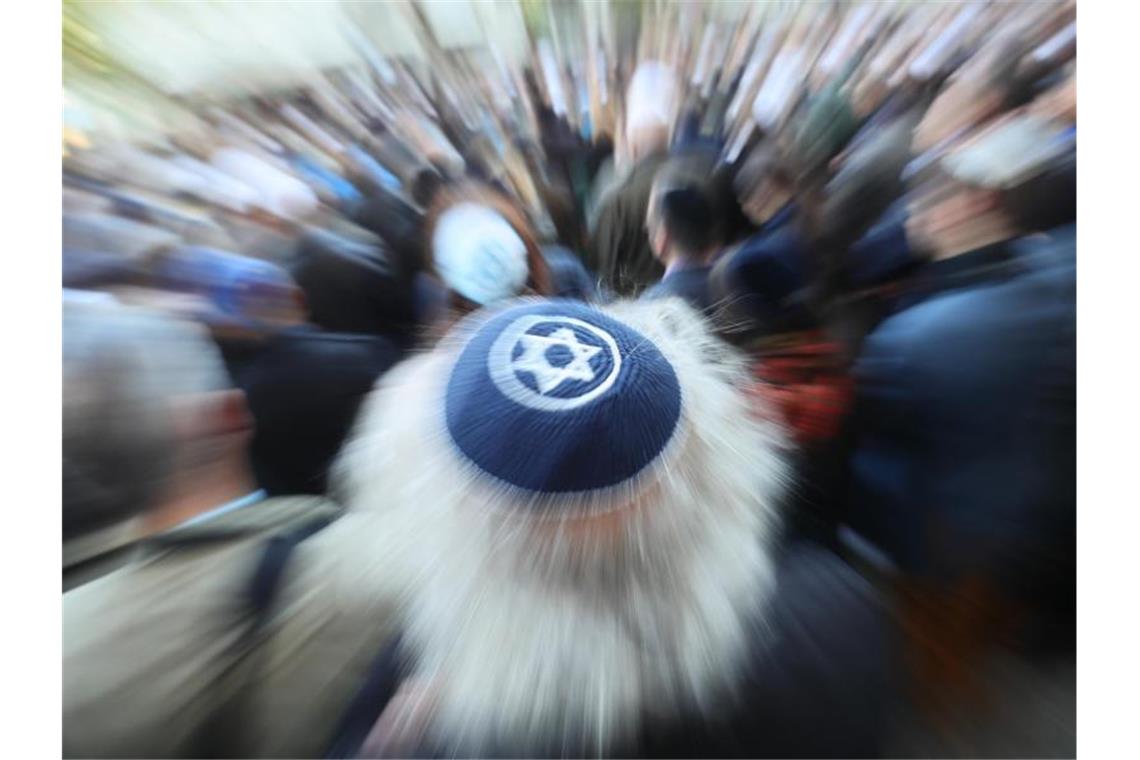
(146,401)
(763,184)
(972,196)
(650,107)
(355,285)
(425,186)
(685,217)
(482,248)
(866,183)
(242,293)
(559,489)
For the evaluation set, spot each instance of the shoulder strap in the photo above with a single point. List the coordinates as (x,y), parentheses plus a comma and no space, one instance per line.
(221,734)
(376,691)
(266,579)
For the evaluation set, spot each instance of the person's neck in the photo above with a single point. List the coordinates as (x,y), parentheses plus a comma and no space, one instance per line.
(980,232)
(680,262)
(197,491)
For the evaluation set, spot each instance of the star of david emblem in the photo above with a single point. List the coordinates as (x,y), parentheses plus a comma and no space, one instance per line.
(535,359)
(551,358)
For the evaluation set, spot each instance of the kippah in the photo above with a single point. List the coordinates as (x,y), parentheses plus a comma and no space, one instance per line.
(1007,155)
(557,398)
(478,254)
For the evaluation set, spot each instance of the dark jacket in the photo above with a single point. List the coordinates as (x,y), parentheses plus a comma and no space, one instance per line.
(304,387)
(964,458)
(763,281)
(396,223)
(688,283)
(817,683)
(355,286)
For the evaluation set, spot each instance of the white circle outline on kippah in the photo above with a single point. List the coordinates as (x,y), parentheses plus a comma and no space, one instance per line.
(503,374)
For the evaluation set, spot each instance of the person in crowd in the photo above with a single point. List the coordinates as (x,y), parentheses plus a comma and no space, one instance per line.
(396,221)
(303,384)
(686,230)
(783,301)
(619,250)
(963,462)
(160,655)
(154,434)
(482,251)
(304,387)
(762,282)
(240,298)
(581,506)
(107,233)
(356,284)
(842,248)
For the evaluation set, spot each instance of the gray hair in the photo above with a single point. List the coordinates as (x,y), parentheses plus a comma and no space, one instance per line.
(123,368)
(578,638)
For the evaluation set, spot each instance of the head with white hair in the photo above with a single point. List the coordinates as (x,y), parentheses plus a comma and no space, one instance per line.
(576,505)
(145,401)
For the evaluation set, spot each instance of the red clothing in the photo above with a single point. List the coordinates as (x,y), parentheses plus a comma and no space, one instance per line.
(804,377)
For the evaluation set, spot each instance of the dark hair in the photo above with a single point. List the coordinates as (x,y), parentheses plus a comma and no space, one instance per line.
(425,186)
(686,201)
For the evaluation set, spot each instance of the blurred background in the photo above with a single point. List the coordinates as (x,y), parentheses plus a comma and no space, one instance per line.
(874,201)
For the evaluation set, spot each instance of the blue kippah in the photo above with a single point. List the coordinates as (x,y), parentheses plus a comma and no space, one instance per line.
(557,398)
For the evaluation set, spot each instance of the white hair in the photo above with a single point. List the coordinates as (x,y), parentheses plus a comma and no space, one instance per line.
(123,367)
(529,634)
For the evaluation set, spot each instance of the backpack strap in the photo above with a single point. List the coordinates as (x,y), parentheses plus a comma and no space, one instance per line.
(222,733)
(376,691)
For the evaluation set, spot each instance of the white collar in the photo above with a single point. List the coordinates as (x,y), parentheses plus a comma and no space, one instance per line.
(230,506)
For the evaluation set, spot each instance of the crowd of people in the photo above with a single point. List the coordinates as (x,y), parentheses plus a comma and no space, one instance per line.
(733,416)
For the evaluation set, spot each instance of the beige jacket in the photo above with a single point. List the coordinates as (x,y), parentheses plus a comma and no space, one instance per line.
(151,650)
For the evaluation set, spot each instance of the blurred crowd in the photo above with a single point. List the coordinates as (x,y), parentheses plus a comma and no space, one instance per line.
(703,386)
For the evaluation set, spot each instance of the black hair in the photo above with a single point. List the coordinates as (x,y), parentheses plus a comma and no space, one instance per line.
(686,201)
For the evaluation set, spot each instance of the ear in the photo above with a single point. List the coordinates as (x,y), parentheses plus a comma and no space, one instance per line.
(212,415)
(300,305)
(658,240)
(231,412)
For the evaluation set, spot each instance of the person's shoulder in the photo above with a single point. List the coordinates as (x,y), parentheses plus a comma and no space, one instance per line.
(342,341)
(686,284)
(334,351)
(279,515)
(775,243)
(655,292)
